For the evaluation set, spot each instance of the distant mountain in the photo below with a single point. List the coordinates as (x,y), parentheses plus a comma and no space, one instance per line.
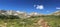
(56,13)
(11,12)
(24,14)
(2,11)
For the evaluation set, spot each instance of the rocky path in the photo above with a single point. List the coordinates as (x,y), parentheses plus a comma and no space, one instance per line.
(42,23)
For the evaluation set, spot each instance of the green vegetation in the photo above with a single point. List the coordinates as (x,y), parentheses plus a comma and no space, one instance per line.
(15,21)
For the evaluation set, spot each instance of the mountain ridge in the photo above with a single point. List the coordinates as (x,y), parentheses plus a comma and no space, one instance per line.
(24,14)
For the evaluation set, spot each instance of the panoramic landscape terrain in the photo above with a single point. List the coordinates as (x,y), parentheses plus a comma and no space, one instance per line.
(21,19)
(29,13)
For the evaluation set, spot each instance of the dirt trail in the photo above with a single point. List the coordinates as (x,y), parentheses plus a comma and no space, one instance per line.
(42,23)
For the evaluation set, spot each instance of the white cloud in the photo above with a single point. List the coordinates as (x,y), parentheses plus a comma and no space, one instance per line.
(39,6)
(17,11)
(57,7)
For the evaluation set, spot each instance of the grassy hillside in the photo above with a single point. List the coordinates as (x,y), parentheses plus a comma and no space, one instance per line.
(53,21)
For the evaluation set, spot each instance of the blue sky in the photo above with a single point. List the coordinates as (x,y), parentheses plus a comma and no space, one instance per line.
(40,6)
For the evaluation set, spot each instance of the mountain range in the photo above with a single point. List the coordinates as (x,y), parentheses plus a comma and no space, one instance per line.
(24,14)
